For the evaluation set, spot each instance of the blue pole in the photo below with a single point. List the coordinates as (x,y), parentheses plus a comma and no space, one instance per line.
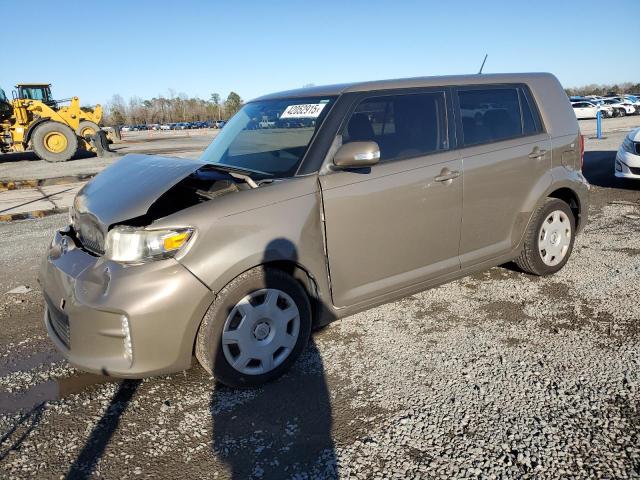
(599,124)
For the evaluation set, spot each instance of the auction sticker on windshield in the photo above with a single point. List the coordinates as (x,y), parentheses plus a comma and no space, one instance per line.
(307,110)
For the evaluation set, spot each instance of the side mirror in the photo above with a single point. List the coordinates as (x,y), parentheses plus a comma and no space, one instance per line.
(357,154)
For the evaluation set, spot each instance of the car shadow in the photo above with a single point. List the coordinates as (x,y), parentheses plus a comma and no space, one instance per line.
(280,430)
(598,169)
(284,428)
(95,446)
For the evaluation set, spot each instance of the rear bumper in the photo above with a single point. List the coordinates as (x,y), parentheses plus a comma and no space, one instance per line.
(88,300)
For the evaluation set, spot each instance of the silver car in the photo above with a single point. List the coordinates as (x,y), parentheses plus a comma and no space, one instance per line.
(311,205)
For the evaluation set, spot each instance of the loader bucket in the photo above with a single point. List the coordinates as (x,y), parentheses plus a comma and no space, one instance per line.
(101,144)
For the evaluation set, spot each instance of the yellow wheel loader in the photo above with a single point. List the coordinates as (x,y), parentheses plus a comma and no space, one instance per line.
(32,120)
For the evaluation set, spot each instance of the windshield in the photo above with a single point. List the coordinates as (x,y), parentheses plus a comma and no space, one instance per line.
(269,136)
(3,96)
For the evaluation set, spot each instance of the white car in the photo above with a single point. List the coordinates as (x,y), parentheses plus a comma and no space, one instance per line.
(622,108)
(590,110)
(165,126)
(629,101)
(628,157)
(126,128)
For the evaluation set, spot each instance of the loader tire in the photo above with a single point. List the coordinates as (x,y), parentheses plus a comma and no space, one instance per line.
(86,129)
(54,142)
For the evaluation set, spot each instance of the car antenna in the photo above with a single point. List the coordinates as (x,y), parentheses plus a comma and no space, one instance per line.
(482,66)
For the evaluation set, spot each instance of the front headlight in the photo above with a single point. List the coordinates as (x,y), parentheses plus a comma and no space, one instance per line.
(628,145)
(134,245)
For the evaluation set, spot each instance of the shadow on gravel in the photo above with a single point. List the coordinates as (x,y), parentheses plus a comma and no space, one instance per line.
(282,429)
(32,419)
(598,169)
(99,438)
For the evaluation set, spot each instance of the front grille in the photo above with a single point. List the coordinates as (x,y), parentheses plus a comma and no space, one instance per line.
(89,234)
(59,322)
(637,145)
(634,170)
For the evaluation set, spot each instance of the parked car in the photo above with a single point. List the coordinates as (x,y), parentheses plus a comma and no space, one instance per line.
(629,101)
(239,254)
(622,108)
(165,126)
(126,128)
(584,110)
(219,123)
(627,163)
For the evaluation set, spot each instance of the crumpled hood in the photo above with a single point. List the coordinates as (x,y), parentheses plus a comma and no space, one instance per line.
(127,188)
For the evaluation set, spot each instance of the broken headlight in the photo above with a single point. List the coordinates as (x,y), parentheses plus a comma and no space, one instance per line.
(135,245)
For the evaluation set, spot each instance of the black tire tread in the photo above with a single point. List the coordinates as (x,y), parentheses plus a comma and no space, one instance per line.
(204,350)
(43,153)
(525,261)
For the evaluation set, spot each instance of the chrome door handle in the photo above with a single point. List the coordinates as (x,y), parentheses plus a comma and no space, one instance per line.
(537,153)
(447,175)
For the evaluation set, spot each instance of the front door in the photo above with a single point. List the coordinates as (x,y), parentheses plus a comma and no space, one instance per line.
(398,223)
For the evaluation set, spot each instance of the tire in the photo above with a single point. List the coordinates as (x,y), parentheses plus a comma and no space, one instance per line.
(218,323)
(54,142)
(623,112)
(531,259)
(86,128)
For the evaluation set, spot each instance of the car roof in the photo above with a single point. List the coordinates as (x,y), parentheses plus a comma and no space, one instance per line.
(416,82)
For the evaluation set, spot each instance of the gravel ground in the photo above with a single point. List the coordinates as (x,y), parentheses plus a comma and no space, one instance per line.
(497,375)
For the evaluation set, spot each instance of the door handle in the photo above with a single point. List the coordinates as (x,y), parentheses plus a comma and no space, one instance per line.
(446,175)
(537,153)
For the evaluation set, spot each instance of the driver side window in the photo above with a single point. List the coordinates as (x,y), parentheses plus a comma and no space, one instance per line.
(403,126)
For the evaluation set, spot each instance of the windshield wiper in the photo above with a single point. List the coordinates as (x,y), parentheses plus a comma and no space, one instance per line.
(233,168)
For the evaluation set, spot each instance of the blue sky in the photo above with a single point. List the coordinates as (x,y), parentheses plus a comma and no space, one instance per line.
(144,48)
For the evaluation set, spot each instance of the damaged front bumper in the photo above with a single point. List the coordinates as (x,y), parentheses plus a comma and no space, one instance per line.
(126,321)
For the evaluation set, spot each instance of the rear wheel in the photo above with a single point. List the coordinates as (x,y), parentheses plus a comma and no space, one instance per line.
(255,329)
(54,142)
(549,239)
(86,129)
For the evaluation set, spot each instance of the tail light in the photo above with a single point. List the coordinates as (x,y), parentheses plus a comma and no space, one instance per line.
(581,151)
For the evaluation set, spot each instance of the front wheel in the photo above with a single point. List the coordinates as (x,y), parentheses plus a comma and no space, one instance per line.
(54,142)
(549,239)
(255,329)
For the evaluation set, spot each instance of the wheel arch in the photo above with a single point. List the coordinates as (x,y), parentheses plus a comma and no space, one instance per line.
(32,128)
(571,198)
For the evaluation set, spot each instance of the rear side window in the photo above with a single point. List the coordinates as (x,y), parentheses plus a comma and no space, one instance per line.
(495,114)
(403,126)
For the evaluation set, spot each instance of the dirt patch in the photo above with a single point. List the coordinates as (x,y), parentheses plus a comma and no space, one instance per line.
(505,311)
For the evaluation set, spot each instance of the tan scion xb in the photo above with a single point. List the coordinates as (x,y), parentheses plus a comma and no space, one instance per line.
(311,205)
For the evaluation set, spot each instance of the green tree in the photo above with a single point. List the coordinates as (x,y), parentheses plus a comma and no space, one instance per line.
(215,99)
(232,104)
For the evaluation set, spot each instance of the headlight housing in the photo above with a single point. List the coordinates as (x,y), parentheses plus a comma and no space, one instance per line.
(136,245)
(628,145)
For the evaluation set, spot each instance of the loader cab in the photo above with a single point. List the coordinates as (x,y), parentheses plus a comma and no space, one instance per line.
(5,107)
(36,91)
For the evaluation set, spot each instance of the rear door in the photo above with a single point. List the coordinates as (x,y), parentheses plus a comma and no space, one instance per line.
(397,223)
(507,158)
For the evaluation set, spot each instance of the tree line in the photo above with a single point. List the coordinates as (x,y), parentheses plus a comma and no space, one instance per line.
(181,108)
(170,109)
(603,89)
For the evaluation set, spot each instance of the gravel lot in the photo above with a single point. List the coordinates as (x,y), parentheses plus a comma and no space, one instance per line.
(497,375)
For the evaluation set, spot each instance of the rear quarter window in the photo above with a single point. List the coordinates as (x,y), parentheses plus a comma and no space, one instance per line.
(494,114)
